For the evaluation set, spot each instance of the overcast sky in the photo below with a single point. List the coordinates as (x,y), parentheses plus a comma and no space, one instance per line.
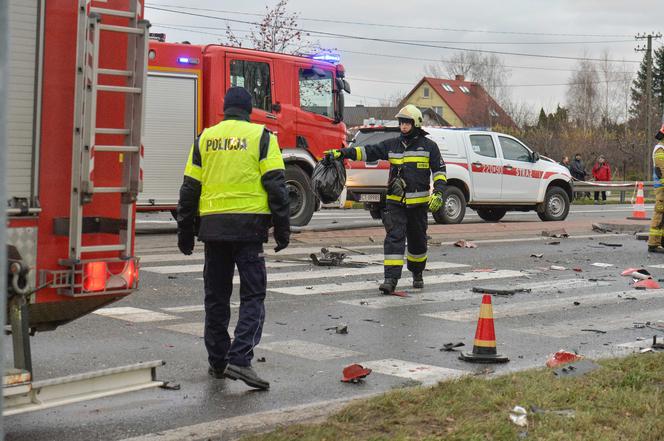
(584,28)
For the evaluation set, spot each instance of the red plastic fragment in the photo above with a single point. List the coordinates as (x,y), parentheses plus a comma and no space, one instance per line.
(647,284)
(562,357)
(628,272)
(354,373)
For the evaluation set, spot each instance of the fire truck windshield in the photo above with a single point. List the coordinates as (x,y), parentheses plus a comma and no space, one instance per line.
(316,91)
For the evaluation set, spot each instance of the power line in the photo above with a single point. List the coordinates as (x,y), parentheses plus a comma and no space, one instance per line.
(392,25)
(502,85)
(382,40)
(373,54)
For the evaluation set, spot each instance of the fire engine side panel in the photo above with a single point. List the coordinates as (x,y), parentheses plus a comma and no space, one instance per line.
(170,128)
(23,54)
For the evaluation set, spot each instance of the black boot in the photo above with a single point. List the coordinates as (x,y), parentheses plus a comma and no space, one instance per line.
(655,249)
(388,286)
(246,374)
(418,281)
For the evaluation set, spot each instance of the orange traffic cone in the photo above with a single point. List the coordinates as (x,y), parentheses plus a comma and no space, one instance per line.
(484,347)
(638,209)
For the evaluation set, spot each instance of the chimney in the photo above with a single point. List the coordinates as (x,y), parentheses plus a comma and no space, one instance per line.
(460,78)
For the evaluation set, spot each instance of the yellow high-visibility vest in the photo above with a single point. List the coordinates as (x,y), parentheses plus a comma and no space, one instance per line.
(231,168)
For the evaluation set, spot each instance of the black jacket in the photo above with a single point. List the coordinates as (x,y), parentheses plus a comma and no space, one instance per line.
(578,170)
(236,227)
(416,176)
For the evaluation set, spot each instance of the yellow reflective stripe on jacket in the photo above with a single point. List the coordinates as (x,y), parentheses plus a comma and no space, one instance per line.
(656,232)
(359,154)
(192,170)
(416,159)
(393,260)
(393,197)
(274,159)
(231,169)
(413,201)
(396,161)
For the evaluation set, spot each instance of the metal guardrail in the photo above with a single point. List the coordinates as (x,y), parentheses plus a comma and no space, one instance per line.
(621,187)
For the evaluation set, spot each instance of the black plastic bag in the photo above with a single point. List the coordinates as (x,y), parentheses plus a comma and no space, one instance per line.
(329,180)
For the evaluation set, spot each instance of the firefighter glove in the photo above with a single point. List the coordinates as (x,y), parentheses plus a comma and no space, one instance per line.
(186,242)
(282,237)
(436,202)
(334,155)
(397,187)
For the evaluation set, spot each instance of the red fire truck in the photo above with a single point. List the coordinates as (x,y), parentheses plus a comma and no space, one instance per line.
(77,75)
(298,98)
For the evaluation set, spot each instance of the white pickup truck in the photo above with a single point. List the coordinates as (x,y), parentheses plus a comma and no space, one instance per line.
(489,172)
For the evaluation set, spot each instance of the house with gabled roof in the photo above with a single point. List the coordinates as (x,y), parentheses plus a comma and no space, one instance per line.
(462,103)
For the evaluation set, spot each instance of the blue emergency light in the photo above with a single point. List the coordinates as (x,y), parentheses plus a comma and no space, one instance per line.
(187,60)
(329,57)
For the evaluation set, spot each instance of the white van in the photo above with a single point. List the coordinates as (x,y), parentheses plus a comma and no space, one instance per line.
(489,172)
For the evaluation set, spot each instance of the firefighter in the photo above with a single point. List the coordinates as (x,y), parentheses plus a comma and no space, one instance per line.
(657,223)
(234,180)
(414,159)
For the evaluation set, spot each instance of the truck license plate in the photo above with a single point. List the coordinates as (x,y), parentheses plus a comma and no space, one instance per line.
(371,197)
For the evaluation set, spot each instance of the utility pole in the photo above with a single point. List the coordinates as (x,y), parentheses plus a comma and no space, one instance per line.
(649,135)
(4,81)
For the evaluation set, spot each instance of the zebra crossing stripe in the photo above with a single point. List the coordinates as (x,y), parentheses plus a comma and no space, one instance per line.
(135,315)
(348,287)
(197,329)
(308,350)
(193,308)
(540,306)
(382,302)
(569,328)
(424,373)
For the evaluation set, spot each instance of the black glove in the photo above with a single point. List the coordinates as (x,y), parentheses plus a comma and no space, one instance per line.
(282,237)
(186,242)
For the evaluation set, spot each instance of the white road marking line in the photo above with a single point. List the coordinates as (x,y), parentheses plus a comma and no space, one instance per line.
(382,302)
(198,329)
(135,315)
(198,267)
(537,239)
(569,328)
(543,305)
(321,272)
(309,350)
(661,265)
(425,373)
(348,287)
(193,308)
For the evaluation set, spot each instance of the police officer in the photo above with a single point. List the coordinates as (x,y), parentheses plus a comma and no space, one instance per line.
(234,179)
(413,158)
(657,223)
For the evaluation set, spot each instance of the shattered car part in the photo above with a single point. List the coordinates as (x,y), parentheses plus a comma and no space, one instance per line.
(560,233)
(449,347)
(562,357)
(464,244)
(499,291)
(354,373)
(576,369)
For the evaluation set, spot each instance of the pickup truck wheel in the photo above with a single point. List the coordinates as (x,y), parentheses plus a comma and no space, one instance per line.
(491,214)
(556,205)
(300,195)
(454,208)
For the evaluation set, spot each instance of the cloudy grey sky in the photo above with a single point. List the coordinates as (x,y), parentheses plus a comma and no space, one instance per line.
(376,70)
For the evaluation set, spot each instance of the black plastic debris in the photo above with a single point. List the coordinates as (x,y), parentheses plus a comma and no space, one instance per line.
(449,347)
(606,244)
(560,233)
(499,291)
(576,369)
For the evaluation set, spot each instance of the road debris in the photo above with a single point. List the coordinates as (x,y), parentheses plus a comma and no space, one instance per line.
(629,271)
(464,244)
(553,242)
(606,244)
(576,369)
(596,331)
(641,274)
(449,347)
(647,284)
(354,373)
(483,270)
(602,265)
(656,345)
(562,357)
(260,360)
(600,228)
(577,270)
(557,268)
(519,416)
(539,256)
(499,291)
(561,233)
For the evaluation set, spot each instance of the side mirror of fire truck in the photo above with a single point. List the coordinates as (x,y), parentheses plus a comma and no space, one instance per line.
(536,157)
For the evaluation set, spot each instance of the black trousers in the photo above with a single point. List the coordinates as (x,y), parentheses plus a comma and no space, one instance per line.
(597,195)
(220,261)
(404,223)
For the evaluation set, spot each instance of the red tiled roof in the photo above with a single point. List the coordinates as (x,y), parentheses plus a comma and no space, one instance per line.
(473,107)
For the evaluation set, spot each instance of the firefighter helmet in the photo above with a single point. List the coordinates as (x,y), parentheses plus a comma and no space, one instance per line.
(411,112)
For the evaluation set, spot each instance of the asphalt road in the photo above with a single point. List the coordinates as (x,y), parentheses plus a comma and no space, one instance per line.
(398,337)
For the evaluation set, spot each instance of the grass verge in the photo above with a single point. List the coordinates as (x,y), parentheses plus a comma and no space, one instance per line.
(623,400)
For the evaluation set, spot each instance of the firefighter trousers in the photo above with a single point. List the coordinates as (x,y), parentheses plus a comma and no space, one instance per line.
(220,261)
(657,223)
(404,223)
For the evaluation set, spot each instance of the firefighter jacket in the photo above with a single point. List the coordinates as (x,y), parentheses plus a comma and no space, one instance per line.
(658,165)
(415,160)
(234,179)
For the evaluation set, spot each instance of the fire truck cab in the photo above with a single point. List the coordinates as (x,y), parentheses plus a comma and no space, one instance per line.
(298,98)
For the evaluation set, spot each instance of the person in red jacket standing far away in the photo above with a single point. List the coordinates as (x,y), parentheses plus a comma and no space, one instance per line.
(601,172)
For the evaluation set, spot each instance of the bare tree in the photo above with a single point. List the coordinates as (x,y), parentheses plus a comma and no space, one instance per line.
(583,97)
(276,32)
(393,99)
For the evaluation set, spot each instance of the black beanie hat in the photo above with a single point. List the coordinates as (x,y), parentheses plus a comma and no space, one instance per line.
(239,98)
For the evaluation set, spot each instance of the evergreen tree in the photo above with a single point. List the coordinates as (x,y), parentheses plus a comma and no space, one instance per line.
(637,109)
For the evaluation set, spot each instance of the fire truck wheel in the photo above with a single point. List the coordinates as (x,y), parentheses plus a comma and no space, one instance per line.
(493,214)
(454,209)
(302,200)
(555,206)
